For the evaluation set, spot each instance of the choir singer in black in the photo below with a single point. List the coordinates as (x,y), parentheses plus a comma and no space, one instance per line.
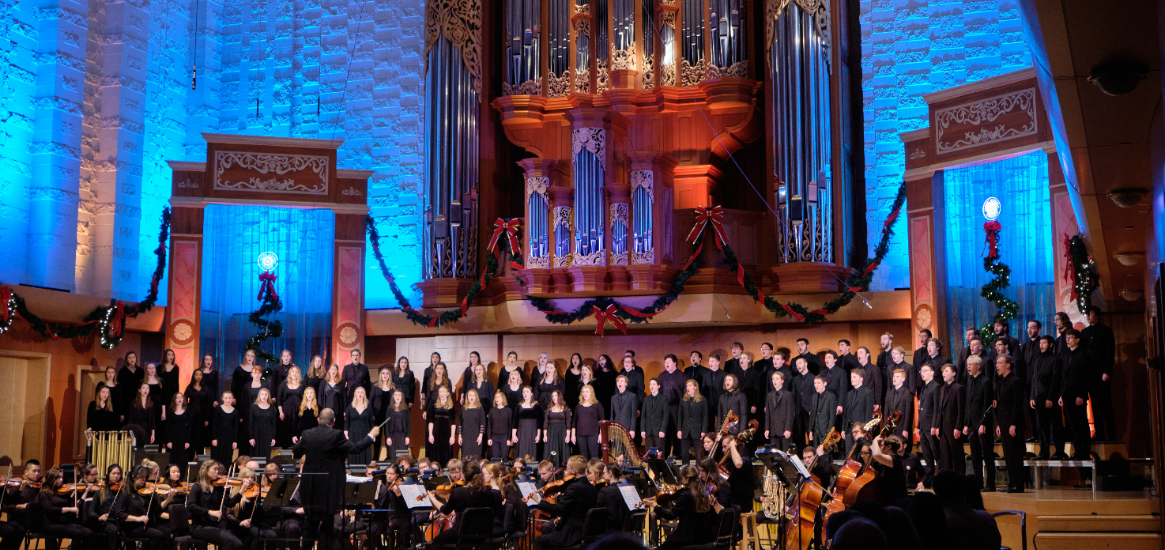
(1009,401)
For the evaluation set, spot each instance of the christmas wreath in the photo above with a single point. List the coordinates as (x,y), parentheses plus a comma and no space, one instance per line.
(109,321)
(1080,271)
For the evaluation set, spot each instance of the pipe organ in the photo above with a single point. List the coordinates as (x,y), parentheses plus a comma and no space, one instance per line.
(631,110)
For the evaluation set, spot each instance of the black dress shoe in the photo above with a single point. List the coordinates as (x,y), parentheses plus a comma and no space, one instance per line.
(988,489)
(1030,440)
(1013,490)
(1060,456)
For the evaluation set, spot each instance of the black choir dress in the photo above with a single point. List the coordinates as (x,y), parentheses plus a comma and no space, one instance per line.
(118,401)
(141,422)
(501,425)
(545,389)
(261,428)
(485,392)
(129,382)
(513,396)
(169,384)
(442,421)
(358,424)
(471,426)
(380,400)
(331,396)
(407,385)
(101,420)
(557,448)
(198,403)
(224,429)
(159,405)
(529,423)
(288,399)
(210,381)
(397,430)
(306,421)
(178,435)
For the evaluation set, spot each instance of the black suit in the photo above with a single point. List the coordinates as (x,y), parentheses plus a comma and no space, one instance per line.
(822,415)
(952,416)
(1029,352)
(980,394)
(901,400)
(571,510)
(812,362)
(1074,385)
(779,414)
(326,451)
(356,375)
(1101,346)
(928,417)
(858,408)
(803,392)
(1009,406)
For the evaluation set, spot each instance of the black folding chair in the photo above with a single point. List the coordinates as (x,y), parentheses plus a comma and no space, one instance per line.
(594,527)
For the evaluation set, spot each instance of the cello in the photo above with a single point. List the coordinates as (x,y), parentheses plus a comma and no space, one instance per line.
(852,468)
(865,487)
(805,504)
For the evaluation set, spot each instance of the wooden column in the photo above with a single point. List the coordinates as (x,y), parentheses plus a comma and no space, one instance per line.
(927,239)
(184,287)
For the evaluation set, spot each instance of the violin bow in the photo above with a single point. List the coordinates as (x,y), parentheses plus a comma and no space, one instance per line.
(226,490)
(5,491)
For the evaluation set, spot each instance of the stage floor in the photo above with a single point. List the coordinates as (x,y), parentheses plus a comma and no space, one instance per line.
(1061,518)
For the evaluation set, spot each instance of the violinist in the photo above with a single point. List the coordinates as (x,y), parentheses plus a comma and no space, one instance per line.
(102,519)
(177,493)
(249,523)
(389,498)
(694,510)
(134,512)
(718,486)
(570,507)
(207,503)
(474,494)
(611,498)
(60,511)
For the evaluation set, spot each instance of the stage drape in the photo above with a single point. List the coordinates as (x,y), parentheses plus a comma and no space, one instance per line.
(234,236)
(1025,242)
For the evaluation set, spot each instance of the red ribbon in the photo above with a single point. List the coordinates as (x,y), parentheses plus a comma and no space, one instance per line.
(1069,272)
(709,215)
(509,228)
(992,228)
(118,321)
(794,314)
(465,300)
(638,313)
(267,284)
(602,316)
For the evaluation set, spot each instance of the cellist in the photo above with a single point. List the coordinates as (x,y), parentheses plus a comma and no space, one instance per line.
(890,467)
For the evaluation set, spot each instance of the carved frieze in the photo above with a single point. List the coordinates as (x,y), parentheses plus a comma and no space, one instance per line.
(459,22)
(644,179)
(591,139)
(265,172)
(537,184)
(818,9)
(984,122)
(529,87)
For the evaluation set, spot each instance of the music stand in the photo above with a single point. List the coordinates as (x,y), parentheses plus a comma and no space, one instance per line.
(163,459)
(357,495)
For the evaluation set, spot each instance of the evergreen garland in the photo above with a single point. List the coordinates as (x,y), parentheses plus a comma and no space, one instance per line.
(450,315)
(1083,270)
(1006,308)
(108,320)
(268,329)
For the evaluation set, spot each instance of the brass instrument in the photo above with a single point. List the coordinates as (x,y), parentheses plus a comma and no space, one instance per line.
(775,495)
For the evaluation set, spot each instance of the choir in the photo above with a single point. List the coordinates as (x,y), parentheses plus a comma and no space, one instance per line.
(553,418)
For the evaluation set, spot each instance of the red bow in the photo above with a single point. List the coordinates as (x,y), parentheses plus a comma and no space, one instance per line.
(267,284)
(602,316)
(992,228)
(510,229)
(705,215)
(118,321)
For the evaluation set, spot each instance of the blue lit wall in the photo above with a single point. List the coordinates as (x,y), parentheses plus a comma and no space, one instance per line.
(97,96)
(911,48)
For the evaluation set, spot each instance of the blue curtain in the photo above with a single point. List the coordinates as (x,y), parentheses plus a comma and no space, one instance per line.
(233,238)
(1025,242)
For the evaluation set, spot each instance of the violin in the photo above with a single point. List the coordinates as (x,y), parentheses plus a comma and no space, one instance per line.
(162,488)
(442,491)
(69,488)
(13,482)
(228,482)
(254,491)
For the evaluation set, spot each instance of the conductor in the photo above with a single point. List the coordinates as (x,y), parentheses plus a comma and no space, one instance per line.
(326,449)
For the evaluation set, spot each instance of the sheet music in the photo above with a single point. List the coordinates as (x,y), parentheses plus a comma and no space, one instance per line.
(410,491)
(527,487)
(801,470)
(353,479)
(630,496)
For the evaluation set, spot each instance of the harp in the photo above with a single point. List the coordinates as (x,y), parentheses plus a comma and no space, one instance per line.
(617,446)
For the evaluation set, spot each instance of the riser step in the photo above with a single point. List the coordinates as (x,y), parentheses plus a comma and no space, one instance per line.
(1084,524)
(1098,541)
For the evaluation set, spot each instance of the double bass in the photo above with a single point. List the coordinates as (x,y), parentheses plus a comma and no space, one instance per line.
(852,468)
(865,487)
(805,504)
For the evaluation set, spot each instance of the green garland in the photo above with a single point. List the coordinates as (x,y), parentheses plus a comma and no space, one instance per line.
(268,329)
(1085,279)
(451,315)
(797,311)
(1006,308)
(108,320)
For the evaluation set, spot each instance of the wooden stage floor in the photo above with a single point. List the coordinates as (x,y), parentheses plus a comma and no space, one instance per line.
(1069,519)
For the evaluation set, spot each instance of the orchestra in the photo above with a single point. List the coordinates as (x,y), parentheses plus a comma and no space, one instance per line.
(290,461)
